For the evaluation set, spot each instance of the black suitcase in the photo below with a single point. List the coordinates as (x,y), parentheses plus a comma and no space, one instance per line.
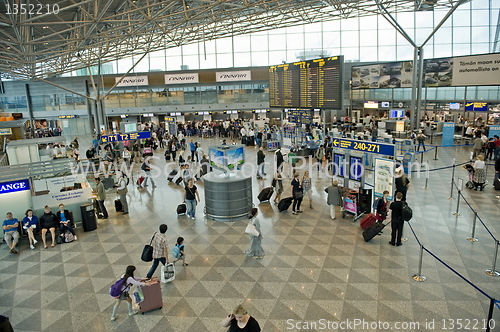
(496,184)
(172,175)
(372,231)
(285,203)
(265,194)
(178,181)
(167,157)
(118,205)
(181,209)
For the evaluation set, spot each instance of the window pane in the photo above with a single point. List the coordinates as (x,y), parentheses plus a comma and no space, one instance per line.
(480,17)
(174,51)
(368,54)
(208,63)
(331,25)
(242,43)
(260,59)
(406,20)
(157,64)
(331,40)
(313,40)
(461,49)
(461,35)
(461,18)
(124,65)
(174,63)
(224,60)
(368,37)
(443,50)
(295,41)
(368,22)
(350,24)
(190,49)
(442,36)
(351,53)
(224,45)
(142,66)
(350,39)
(242,60)
(424,19)
(480,34)
(192,61)
(386,37)
(313,27)
(405,52)
(277,57)
(277,42)
(387,53)
(259,42)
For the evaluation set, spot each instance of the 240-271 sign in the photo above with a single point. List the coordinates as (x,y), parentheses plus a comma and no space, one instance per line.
(364,146)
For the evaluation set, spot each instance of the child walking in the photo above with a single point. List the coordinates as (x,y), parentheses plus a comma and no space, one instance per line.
(178,251)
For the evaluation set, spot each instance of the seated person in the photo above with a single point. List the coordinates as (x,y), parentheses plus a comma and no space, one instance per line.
(48,221)
(65,222)
(30,223)
(10,226)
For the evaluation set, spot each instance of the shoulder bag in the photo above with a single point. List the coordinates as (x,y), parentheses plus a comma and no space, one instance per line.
(147,252)
(251,229)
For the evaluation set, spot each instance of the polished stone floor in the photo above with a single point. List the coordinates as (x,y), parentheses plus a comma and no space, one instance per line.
(315,268)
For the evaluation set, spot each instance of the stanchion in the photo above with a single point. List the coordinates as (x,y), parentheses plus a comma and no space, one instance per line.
(419,276)
(493,272)
(426,181)
(436,153)
(452,180)
(422,157)
(472,237)
(490,316)
(458,205)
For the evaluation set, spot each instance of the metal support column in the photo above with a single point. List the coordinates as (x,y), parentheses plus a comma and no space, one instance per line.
(93,124)
(419,81)
(413,115)
(30,108)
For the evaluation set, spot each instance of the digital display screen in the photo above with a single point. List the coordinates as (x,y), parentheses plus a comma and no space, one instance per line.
(371,104)
(397,113)
(355,169)
(454,106)
(338,159)
(216,158)
(309,84)
(130,127)
(235,157)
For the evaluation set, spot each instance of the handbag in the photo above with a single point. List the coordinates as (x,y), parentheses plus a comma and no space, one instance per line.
(138,296)
(251,229)
(147,252)
(299,193)
(273,183)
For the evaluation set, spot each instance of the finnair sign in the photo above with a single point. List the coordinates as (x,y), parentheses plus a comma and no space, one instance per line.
(181,78)
(231,76)
(132,81)
(10,187)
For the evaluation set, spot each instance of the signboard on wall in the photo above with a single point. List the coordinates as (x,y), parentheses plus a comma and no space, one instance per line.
(230,76)
(6,131)
(185,78)
(476,107)
(14,186)
(385,75)
(384,179)
(494,130)
(132,81)
(448,133)
(477,70)
(68,116)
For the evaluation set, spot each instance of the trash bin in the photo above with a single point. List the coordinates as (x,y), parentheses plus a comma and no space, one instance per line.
(88,217)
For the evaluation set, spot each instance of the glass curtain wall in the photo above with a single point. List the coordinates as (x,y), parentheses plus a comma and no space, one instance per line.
(470,30)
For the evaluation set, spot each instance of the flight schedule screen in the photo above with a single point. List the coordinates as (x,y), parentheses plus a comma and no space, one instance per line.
(307,84)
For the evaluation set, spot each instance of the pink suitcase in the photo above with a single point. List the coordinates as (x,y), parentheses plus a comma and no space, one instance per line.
(152,298)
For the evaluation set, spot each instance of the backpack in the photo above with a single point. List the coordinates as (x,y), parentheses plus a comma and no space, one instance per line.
(116,289)
(375,204)
(176,251)
(407,212)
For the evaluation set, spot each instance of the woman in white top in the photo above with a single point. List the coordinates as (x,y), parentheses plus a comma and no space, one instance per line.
(128,281)
(126,155)
(479,175)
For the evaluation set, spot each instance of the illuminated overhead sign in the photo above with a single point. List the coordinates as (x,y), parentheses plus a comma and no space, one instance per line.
(364,146)
(125,137)
(476,107)
(68,116)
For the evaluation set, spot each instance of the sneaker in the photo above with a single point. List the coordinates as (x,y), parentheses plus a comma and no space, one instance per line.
(35,241)
(32,247)
(113,318)
(76,238)
(154,186)
(185,264)
(193,218)
(135,312)
(125,212)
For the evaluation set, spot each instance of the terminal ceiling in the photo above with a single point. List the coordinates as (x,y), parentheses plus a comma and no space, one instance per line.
(86,32)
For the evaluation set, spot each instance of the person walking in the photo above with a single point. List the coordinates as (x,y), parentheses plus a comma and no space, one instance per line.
(146,167)
(307,187)
(260,163)
(160,249)
(396,219)
(190,196)
(192,148)
(421,140)
(101,196)
(181,248)
(279,161)
(129,280)
(478,145)
(255,250)
(297,193)
(278,188)
(122,191)
(320,154)
(334,197)
(240,320)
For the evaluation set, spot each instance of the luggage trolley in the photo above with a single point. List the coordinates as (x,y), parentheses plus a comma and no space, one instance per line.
(351,207)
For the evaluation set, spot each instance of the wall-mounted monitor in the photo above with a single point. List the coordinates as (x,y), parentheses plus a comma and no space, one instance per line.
(355,168)
(371,104)
(130,127)
(338,159)
(178,113)
(454,106)
(385,104)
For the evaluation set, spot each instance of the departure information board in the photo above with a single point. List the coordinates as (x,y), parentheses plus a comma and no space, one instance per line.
(307,84)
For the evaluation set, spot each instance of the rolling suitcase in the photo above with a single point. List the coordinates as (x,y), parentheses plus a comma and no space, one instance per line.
(178,181)
(373,230)
(118,205)
(496,184)
(265,194)
(140,181)
(152,298)
(181,209)
(367,221)
(284,204)
(171,175)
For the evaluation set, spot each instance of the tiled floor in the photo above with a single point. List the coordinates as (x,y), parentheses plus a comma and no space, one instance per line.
(315,268)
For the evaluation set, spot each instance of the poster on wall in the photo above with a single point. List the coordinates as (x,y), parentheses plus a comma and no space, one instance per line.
(386,75)
(494,130)
(477,70)
(384,180)
(448,133)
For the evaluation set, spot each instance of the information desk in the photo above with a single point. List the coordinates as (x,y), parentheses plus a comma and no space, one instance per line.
(227,198)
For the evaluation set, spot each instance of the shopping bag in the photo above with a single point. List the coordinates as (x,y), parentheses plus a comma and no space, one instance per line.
(138,296)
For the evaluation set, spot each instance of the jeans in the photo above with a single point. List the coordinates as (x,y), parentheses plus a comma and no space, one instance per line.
(258,142)
(63,228)
(260,170)
(296,204)
(103,208)
(148,176)
(191,207)
(420,143)
(123,199)
(156,262)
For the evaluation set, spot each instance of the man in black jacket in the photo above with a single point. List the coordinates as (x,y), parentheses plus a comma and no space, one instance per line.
(260,163)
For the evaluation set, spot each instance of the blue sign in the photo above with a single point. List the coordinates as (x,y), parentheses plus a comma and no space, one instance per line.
(125,137)
(494,130)
(448,133)
(14,186)
(476,107)
(364,146)
(68,116)
(300,116)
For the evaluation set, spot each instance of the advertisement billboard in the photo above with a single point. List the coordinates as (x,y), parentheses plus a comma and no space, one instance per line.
(386,75)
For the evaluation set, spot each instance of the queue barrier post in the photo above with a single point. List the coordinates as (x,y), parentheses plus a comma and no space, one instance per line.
(436,153)
(492,272)
(426,181)
(458,205)
(422,157)
(419,276)
(472,238)
(490,316)
(452,180)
